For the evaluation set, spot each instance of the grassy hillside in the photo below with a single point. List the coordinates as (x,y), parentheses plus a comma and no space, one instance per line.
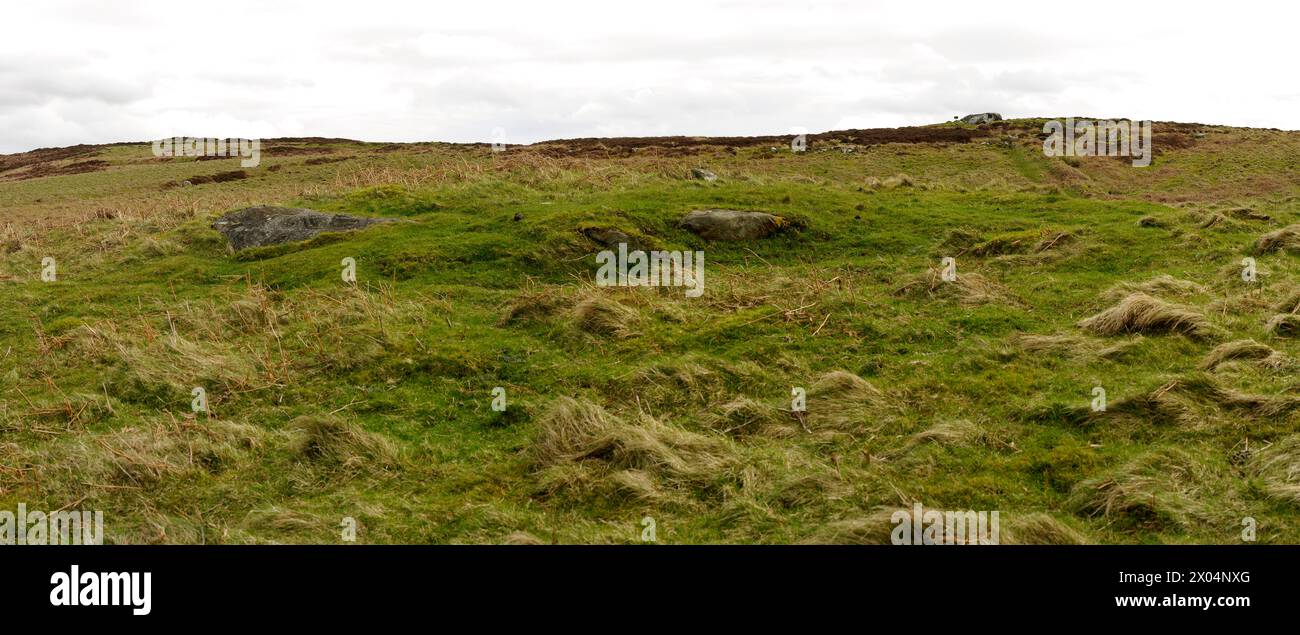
(373,401)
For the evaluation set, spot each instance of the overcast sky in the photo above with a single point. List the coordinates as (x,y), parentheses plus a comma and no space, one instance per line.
(377,70)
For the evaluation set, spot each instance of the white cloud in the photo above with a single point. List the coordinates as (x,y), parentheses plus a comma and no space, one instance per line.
(84,72)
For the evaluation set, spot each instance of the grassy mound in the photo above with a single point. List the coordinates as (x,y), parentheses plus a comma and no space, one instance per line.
(476,384)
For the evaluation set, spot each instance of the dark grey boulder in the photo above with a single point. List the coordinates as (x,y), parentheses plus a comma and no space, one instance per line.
(730,224)
(266,225)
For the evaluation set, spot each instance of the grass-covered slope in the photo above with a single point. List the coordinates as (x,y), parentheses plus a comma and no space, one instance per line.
(373,401)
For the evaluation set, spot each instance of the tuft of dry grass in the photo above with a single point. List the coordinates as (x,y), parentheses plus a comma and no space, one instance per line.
(1041,529)
(1285,239)
(1283,325)
(1204,388)
(1073,346)
(837,402)
(872,529)
(843,384)
(1141,313)
(958,433)
(693,381)
(331,441)
(743,416)
(1163,284)
(1213,219)
(1278,466)
(842,401)
(1191,401)
(1289,303)
(1013,244)
(1246,213)
(1162,489)
(522,538)
(604,316)
(533,306)
(1242,349)
(968,288)
(880,526)
(1035,343)
(889,183)
(581,446)
(1054,239)
(286,521)
(136,458)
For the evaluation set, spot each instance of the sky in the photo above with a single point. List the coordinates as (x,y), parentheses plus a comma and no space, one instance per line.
(379,70)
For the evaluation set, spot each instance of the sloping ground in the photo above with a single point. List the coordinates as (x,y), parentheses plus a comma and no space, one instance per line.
(611,147)
(374,400)
(46,162)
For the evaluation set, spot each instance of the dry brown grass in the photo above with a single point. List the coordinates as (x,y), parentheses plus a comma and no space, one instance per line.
(958,433)
(743,416)
(1243,350)
(842,401)
(1246,213)
(1040,529)
(580,446)
(1141,313)
(533,306)
(1035,343)
(968,288)
(872,529)
(1073,346)
(1205,389)
(1160,489)
(522,538)
(1016,246)
(838,402)
(1285,239)
(135,458)
(1290,303)
(1213,220)
(1283,325)
(879,527)
(1278,466)
(600,315)
(1164,285)
(235,343)
(334,442)
(692,381)
(1195,401)
(888,183)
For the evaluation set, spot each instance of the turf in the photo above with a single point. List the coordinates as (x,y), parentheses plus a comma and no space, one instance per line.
(373,401)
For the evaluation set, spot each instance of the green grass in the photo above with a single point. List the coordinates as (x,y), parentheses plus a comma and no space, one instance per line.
(391,380)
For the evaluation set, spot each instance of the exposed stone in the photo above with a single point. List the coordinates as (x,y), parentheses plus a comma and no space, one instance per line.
(606,236)
(702,174)
(610,238)
(266,225)
(984,117)
(729,224)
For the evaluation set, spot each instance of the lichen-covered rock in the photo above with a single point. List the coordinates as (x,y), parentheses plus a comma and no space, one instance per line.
(267,225)
(730,224)
(981,118)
